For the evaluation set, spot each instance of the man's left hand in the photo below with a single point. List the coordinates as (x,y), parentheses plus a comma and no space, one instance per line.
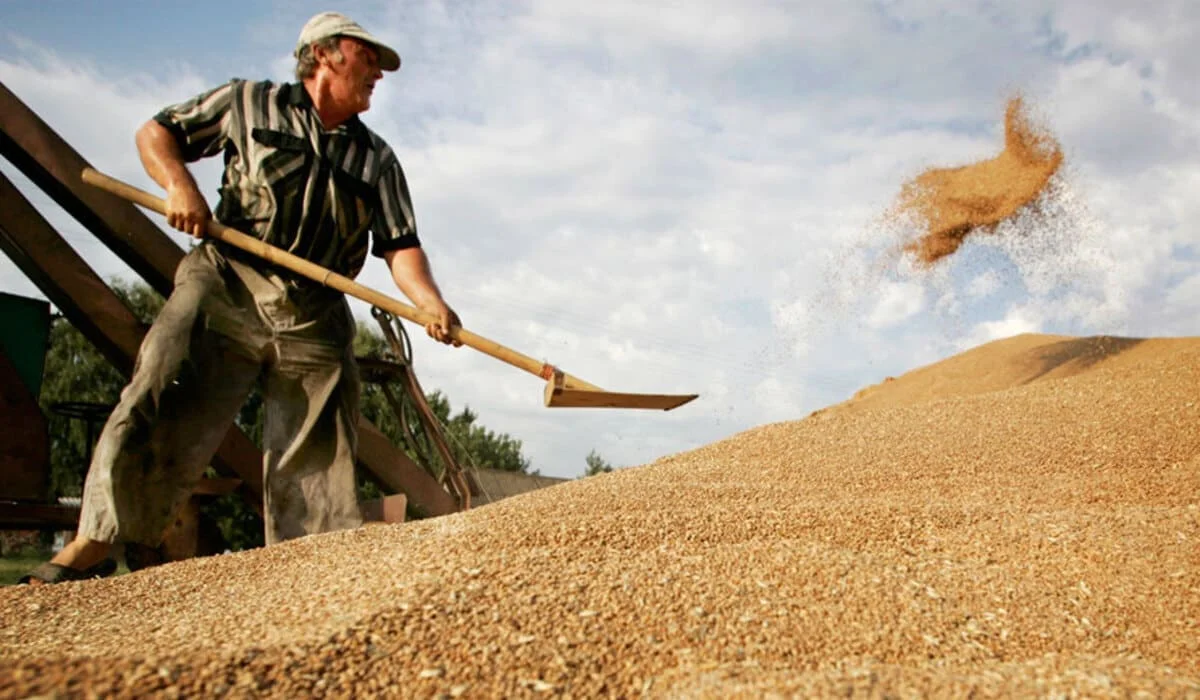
(447,319)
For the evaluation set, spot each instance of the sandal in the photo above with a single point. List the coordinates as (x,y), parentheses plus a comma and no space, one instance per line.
(57,573)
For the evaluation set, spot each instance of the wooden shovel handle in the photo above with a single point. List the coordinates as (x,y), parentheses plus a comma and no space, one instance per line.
(331,279)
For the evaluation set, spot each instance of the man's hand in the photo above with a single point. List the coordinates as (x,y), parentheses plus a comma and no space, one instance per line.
(187,210)
(447,319)
(410,271)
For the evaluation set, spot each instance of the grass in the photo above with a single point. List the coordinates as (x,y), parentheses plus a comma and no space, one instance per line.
(13,567)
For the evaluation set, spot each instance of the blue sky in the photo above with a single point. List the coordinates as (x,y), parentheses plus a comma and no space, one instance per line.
(692,197)
(125,35)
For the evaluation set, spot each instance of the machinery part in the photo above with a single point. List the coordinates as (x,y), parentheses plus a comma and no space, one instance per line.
(452,474)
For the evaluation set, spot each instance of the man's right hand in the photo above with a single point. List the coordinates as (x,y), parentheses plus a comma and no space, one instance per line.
(187,210)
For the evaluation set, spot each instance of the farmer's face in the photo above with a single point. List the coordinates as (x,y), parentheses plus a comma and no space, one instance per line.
(354,75)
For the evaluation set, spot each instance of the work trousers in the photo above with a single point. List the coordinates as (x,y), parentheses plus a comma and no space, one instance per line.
(227,325)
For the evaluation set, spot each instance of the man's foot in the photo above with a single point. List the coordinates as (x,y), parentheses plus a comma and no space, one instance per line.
(80,559)
(82,554)
(56,573)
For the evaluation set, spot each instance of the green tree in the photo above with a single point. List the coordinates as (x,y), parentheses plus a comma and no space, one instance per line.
(596,464)
(470,443)
(75,371)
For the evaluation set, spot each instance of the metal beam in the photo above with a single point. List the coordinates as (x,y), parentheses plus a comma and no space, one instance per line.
(66,280)
(46,159)
(37,516)
(403,474)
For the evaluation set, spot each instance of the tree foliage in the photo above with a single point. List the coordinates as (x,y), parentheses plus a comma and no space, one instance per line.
(76,371)
(596,464)
(470,443)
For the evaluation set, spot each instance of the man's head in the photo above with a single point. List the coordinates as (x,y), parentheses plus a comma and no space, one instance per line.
(344,57)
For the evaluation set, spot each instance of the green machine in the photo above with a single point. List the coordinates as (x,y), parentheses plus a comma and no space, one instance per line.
(24,336)
(24,441)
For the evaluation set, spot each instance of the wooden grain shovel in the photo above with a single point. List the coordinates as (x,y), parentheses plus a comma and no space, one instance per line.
(562,389)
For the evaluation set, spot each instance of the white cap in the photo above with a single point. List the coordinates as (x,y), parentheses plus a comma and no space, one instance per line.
(327,24)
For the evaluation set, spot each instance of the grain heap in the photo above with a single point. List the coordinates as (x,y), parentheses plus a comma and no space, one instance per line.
(950,204)
(1031,531)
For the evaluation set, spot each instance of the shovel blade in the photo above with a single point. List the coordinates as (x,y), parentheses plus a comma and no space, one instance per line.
(564,397)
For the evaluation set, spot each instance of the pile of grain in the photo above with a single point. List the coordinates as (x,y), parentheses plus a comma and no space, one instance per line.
(1036,532)
(950,204)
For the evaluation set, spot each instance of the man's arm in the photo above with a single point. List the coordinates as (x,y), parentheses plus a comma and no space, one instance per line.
(413,276)
(163,160)
(182,133)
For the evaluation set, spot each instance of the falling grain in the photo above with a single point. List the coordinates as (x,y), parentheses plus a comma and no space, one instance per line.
(953,203)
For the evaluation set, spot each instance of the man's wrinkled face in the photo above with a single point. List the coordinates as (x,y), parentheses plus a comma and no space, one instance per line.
(353,77)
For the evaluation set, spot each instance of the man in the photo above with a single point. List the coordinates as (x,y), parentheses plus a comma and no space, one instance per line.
(304,174)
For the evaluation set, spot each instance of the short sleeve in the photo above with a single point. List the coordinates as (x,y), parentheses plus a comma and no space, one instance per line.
(201,125)
(395,227)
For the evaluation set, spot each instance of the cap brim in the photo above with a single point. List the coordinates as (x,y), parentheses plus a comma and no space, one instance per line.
(389,60)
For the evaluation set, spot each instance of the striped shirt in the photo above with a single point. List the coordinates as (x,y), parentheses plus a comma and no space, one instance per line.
(310,191)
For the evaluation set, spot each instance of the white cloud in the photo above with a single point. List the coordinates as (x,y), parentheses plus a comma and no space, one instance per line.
(899,301)
(1186,294)
(96,112)
(984,284)
(1109,116)
(1018,321)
